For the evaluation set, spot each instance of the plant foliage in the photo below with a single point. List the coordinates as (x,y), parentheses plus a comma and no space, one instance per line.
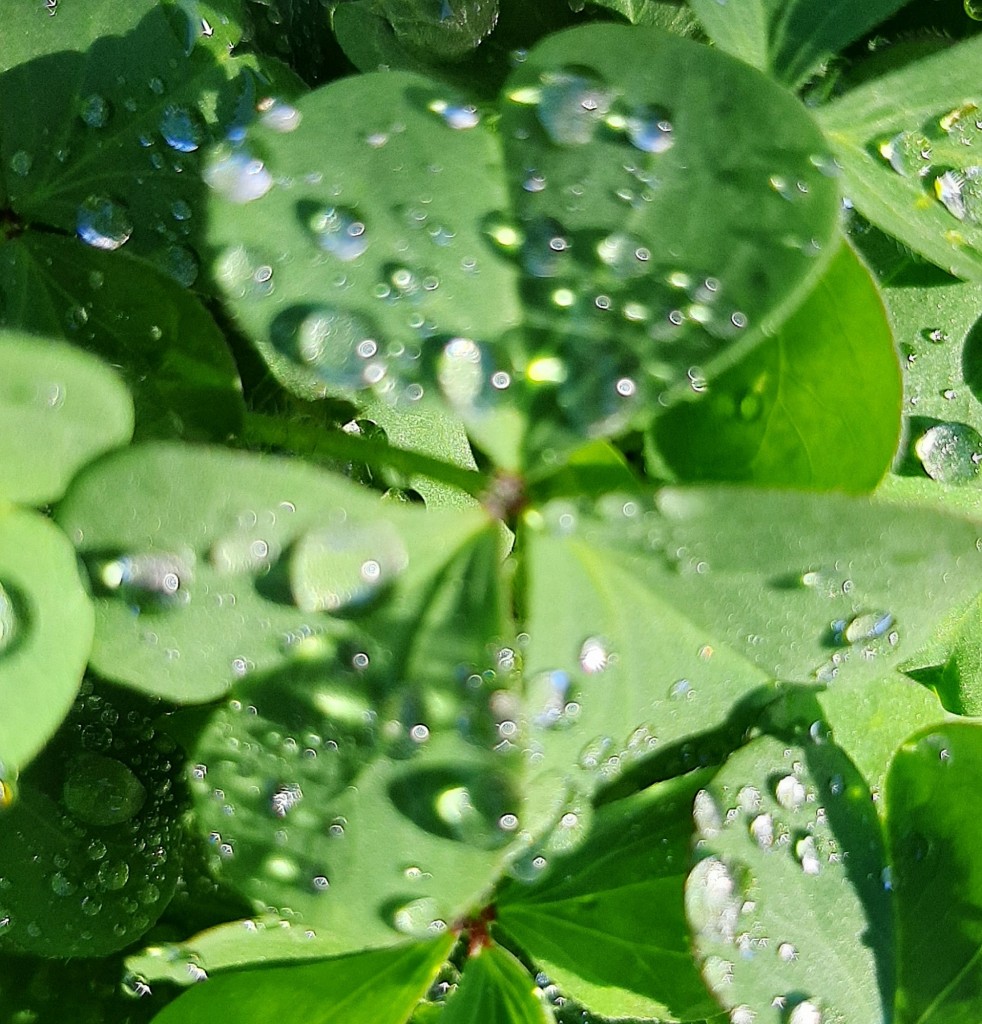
(490,521)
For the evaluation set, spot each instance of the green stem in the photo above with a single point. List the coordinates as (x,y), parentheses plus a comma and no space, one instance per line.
(310,439)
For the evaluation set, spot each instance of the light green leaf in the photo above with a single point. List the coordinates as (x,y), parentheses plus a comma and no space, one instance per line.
(91,847)
(789,913)
(962,676)
(933,806)
(45,634)
(193,588)
(904,141)
(789,38)
(816,406)
(60,401)
(495,989)
(161,339)
(606,922)
(381,987)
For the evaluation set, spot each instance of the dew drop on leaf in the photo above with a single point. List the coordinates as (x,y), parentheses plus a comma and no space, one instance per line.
(103,223)
(95,111)
(9,623)
(181,128)
(278,116)
(805,1013)
(650,129)
(572,103)
(790,793)
(338,347)
(908,153)
(950,452)
(595,656)
(339,231)
(236,175)
(101,790)
(417,917)
(458,116)
(21,163)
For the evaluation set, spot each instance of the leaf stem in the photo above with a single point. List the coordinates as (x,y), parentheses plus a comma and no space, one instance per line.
(310,439)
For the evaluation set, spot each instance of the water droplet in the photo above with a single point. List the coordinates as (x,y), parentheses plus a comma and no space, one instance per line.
(237,175)
(650,129)
(339,231)
(113,875)
(545,249)
(163,576)
(866,626)
(762,831)
(9,623)
(337,347)
(806,852)
(973,8)
(790,793)
(464,372)
(595,655)
(742,1014)
(706,815)
(101,790)
(346,565)
(284,799)
(95,111)
(21,163)
(714,900)
(278,116)
(320,883)
(805,1013)
(181,128)
(572,104)
(103,223)
(908,153)
(950,452)
(417,917)
(459,116)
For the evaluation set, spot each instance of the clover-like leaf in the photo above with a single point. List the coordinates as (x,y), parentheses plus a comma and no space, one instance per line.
(590,921)
(932,805)
(790,917)
(904,141)
(815,406)
(496,987)
(375,987)
(45,635)
(58,400)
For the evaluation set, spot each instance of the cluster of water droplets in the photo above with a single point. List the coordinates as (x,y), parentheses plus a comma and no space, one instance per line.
(941,154)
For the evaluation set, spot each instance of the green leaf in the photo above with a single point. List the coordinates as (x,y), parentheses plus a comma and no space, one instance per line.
(164,343)
(194,582)
(607,921)
(933,805)
(445,31)
(790,38)
(790,916)
(816,406)
(420,292)
(45,634)
(381,987)
(131,97)
(663,14)
(495,989)
(60,401)
(962,676)
(91,848)
(898,136)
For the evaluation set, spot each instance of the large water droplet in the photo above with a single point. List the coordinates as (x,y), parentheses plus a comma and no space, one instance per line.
(464,372)
(21,163)
(459,116)
(950,452)
(790,793)
(418,917)
(961,193)
(101,790)
(181,128)
(9,621)
(95,111)
(346,565)
(805,1013)
(908,153)
(339,231)
(103,223)
(337,347)
(714,899)
(163,576)
(237,175)
(650,129)
(278,116)
(572,105)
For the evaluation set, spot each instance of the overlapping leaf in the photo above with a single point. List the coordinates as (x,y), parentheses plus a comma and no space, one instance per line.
(790,916)
(60,401)
(904,141)
(496,988)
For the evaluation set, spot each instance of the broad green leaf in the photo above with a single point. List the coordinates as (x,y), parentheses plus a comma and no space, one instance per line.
(789,38)
(193,579)
(381,987)
(816,406)
(91,848)
(606,922)
(45,635)
(904,141)
(790,916)
(933,807)
(962,676)
(440,31)
(869,720)
(495,989)
(663,14)
(160,339)
(132,94)
(669,202)
(57,400)
(735,588)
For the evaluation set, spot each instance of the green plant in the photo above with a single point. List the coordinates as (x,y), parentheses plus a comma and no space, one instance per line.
(663,706)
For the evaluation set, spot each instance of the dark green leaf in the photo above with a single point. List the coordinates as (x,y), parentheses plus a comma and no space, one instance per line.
(816,406)
(790,38)
(45,635)
(904,141)
(62,402)
(663,14)
(162,340)
(933,807)
(791,919)
(495,989)
(381,987)
(91,849)
(606,922)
